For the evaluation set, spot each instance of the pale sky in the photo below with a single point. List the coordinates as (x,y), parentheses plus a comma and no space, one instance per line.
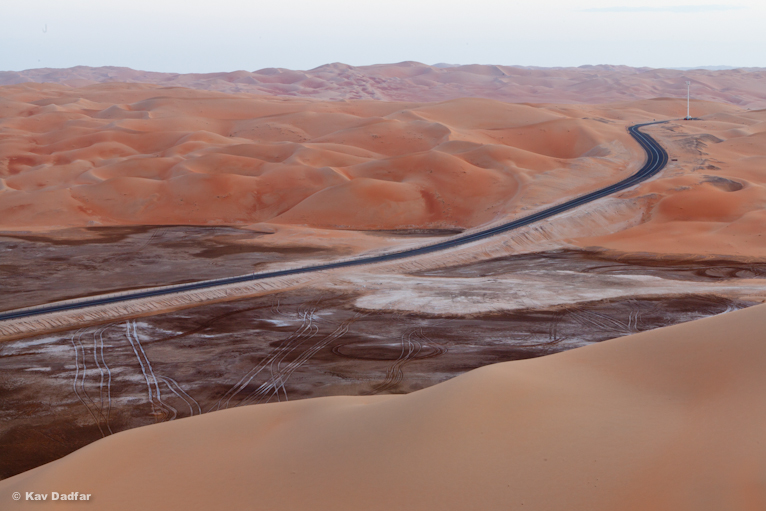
(228,35)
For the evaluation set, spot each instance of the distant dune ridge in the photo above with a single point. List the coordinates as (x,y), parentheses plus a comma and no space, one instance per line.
(413,81)
(669,420)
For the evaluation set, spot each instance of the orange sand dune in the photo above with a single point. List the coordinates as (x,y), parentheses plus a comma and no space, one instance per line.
(116,154)
(127,154)
(713,200)
(671,419)
(413,81)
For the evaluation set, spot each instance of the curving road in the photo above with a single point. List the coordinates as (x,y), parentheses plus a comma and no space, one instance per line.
(656,160)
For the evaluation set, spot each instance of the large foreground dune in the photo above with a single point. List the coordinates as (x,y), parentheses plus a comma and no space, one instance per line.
(671,419)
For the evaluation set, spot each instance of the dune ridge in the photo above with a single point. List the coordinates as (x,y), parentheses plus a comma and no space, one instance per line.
(115,154)
(713,200)
(138,154)
(670,419)
(413,81)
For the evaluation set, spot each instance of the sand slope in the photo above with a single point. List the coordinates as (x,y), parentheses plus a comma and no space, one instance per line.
(138,154)
(713,200)
(671,419)
(413,81)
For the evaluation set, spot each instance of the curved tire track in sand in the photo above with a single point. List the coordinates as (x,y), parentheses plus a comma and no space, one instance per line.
(305,330)
(175,388)
(413,343)
(159,407)
(77,361)
(103,368)
(280,375)
(100,408)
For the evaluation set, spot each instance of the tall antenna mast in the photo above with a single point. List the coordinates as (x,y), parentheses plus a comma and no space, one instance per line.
(688,100)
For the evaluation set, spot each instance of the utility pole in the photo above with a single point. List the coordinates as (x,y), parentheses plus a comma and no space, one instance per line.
(688,100)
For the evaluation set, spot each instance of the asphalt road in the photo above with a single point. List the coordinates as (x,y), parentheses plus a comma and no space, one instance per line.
(656,160)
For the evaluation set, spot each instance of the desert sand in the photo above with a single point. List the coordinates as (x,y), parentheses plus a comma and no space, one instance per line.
(116,154)
(137,154)
(713,200)
(670,419)
(110,186)
(413,81)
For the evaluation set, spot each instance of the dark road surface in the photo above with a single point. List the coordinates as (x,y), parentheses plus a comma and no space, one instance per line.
(657,158)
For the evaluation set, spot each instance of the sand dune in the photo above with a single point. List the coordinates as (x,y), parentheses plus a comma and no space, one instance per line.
(712,200)
(123,154)
(139,154)
(670,419)
(413,81)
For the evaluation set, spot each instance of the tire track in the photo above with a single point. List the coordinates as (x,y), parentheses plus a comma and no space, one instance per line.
(395,374)
(276,362)
(602,322)
(159,407)
(413,343)
(280,375)
(109,380)
(182,395)
(77,359)
(84,376)
(98,352)
(302,331)
(164,406)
